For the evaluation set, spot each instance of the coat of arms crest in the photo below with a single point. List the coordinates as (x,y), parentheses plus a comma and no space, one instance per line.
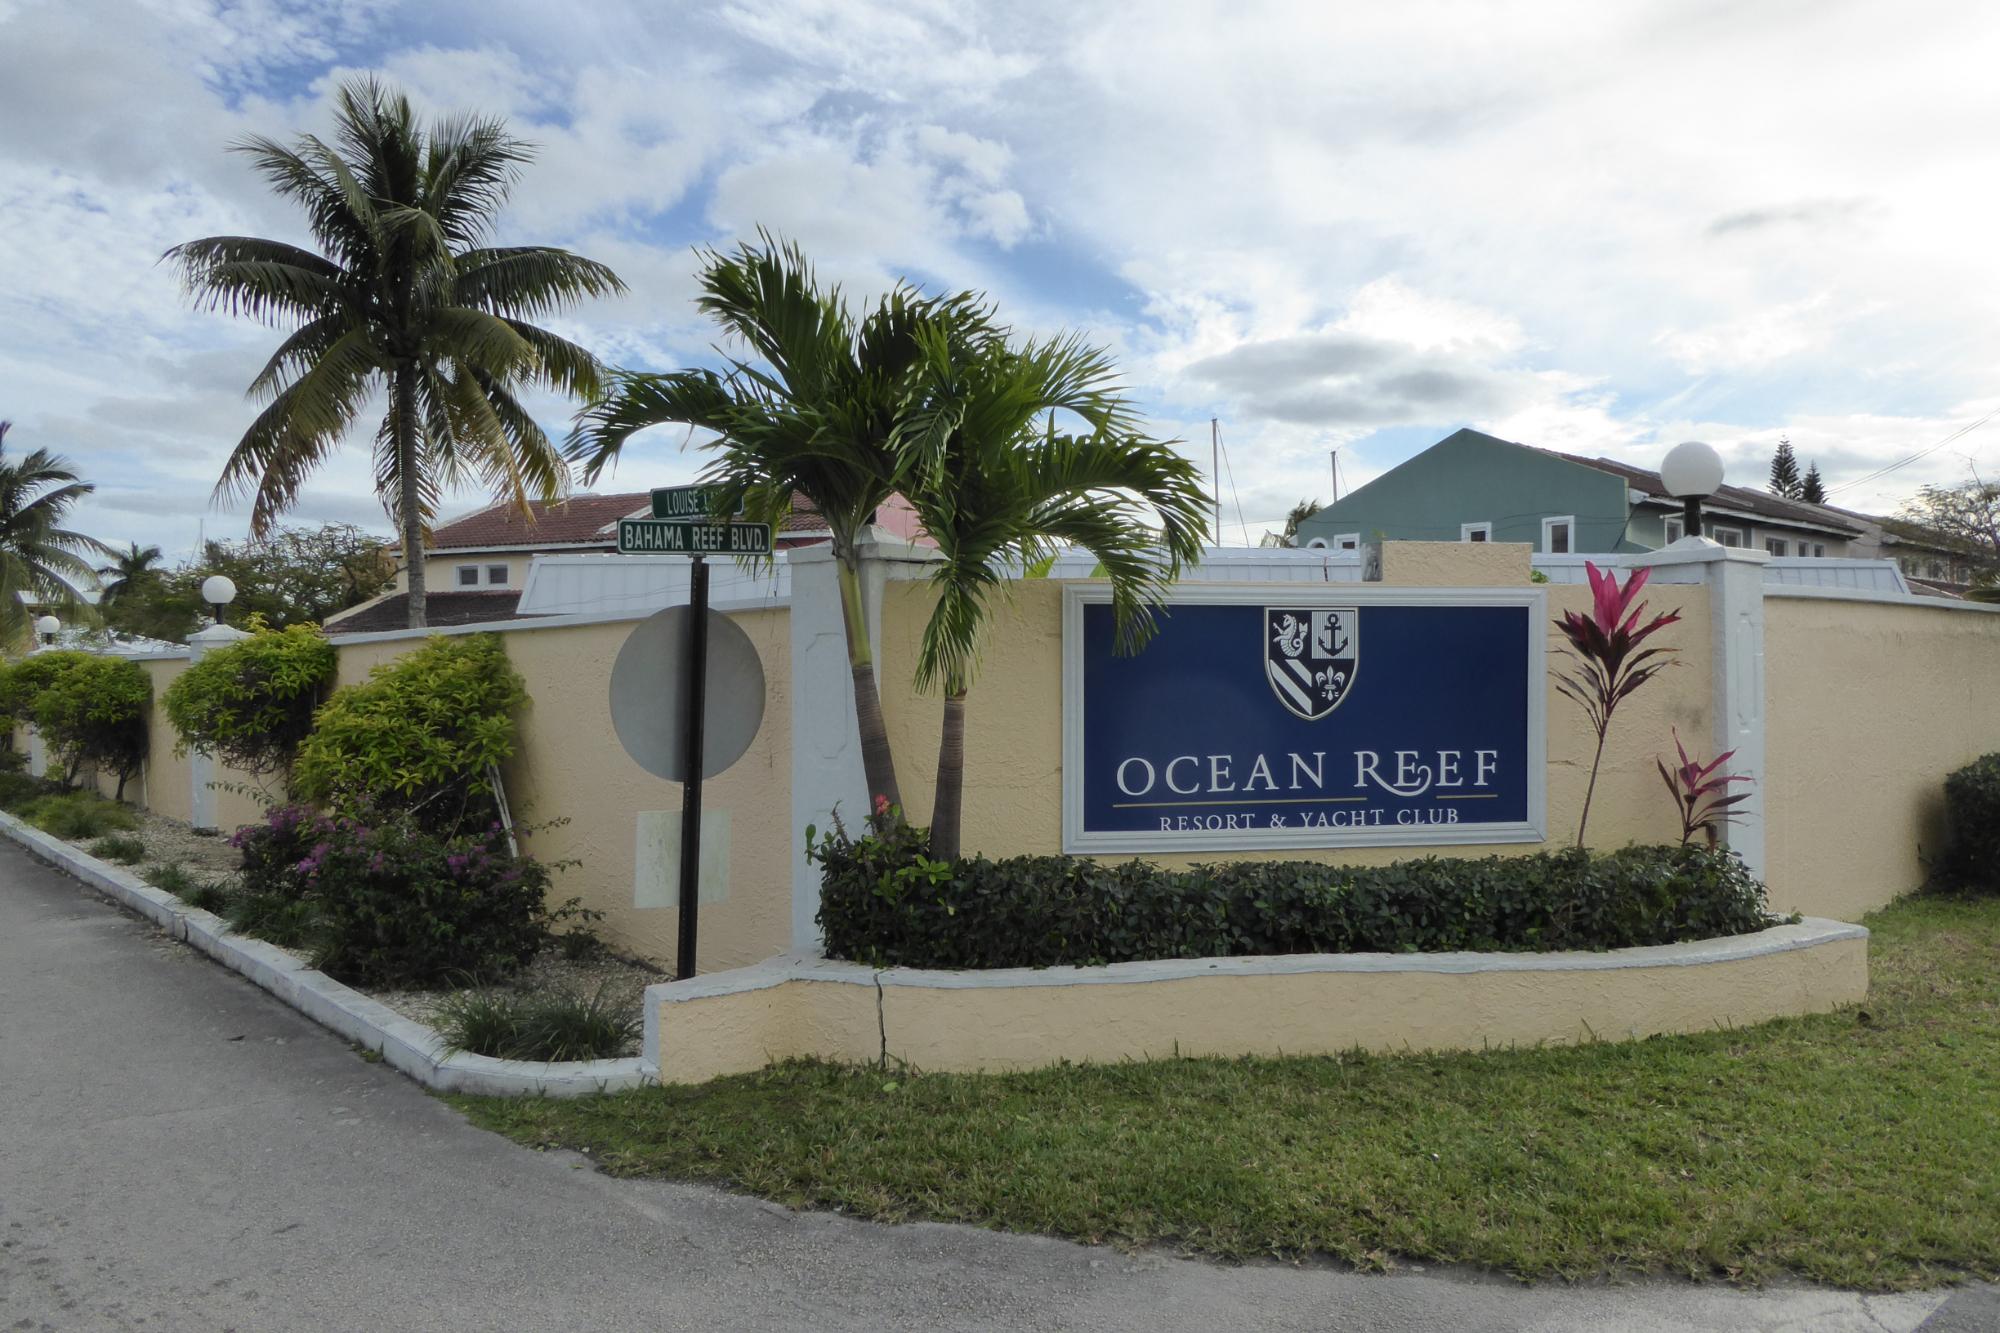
(1310,655)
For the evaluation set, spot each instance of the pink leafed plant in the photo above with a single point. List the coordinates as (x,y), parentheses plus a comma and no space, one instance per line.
(1610,662)
(1701,792)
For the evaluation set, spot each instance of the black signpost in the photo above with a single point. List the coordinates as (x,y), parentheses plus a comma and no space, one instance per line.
(696,674)
(684,522)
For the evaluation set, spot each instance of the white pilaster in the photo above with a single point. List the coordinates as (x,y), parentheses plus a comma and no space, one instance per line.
(201,767)
(1735,581)
(826,739)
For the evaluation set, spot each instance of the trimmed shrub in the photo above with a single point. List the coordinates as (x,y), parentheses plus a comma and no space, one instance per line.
(251,704)
(885,902)
(1972,817)
(22,683)
(538,1027)
(417,736)
(79,815)
(390,903)
(93,711)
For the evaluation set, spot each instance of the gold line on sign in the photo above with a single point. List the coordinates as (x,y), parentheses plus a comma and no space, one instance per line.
(1284,800)
(1482,796)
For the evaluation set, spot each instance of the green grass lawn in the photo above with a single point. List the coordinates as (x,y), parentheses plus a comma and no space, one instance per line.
(1860,1148)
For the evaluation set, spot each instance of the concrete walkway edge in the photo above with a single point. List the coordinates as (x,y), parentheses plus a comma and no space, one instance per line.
(412,1047)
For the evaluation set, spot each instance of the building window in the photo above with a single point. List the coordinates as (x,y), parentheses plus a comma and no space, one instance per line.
(1347,541)
(1556,535)
(1937,569)
(1819,548)
(1316,544)
(1676,529)
(468,576)
(1779,546)
(1726,536)
(496,574)
(1475,532)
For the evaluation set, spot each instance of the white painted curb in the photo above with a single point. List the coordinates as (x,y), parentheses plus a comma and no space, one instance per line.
(412,1047)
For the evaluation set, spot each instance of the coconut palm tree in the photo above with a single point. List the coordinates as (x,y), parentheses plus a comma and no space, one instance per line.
(405,295)
(41,561)
(814,414)
(1001,490)
(131,570)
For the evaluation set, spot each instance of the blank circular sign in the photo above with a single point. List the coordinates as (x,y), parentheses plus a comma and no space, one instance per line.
(649,686)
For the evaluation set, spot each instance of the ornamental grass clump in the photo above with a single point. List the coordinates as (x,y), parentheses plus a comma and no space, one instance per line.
(1610,663)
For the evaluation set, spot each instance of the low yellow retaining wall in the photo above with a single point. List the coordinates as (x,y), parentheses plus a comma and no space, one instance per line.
(1308,1004)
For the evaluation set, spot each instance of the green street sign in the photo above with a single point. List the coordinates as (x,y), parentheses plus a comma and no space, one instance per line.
(660,536)
(686,502)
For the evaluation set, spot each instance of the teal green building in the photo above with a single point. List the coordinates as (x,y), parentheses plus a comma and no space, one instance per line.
(1471,486)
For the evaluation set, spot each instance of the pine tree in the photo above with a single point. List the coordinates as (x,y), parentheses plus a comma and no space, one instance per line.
(1812,490)
(1785,471)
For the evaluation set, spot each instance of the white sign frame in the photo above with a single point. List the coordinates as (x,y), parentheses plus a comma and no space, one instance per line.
(1532,829)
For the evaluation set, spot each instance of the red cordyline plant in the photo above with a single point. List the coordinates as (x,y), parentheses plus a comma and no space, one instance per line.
(1611,665)
(1701,792)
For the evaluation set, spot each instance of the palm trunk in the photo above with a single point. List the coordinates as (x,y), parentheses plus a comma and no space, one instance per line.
(877,762)
(948,809)
(409,519)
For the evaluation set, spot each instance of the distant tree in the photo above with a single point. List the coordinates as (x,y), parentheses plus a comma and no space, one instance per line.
(406,296)
(1300,512)
(1785,480)
(1812,490)
(133,569)
(1967,514)
(293,576)
(41,561)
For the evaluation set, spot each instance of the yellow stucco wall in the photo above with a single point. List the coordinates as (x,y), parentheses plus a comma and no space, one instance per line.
(1869,707)
(1456,564)
(1036,1019)
(166,788)
(571,767)
(441,572)
(1013,779)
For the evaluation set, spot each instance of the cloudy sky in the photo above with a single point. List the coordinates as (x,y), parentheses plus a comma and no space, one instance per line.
(1599,227)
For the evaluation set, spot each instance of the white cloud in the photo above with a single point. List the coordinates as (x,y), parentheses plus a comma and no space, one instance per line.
(1597,227)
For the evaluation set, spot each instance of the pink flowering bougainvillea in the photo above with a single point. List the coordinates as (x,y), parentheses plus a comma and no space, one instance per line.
(1610,662)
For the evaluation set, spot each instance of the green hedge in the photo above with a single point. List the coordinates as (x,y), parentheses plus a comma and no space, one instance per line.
(251,704)
(1972,814)
(884,902)
(90,709)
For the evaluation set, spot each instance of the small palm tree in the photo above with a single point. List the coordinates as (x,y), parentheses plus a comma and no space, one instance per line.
(407,296)
(41,561)
(131,570)
(816,415)
(1000,491)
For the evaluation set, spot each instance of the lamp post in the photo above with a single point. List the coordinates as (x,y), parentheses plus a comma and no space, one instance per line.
(218,590)
(47,627)
(1691,471)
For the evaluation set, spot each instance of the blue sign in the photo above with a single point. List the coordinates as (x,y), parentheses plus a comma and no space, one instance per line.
(1306,717)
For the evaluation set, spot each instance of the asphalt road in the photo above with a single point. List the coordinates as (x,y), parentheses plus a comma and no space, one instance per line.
(180,1151)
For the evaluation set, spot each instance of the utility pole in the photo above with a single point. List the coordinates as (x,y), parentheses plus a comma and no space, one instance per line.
(1335,456)
(1215,471)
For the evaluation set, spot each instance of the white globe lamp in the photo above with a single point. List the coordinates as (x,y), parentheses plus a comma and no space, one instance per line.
(1691,471)
(218,590)
(47,627)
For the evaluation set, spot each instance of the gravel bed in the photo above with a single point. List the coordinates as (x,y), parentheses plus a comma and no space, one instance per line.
(209,858)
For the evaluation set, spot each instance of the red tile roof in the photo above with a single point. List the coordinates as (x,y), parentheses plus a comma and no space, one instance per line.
(574,521)
(579,520)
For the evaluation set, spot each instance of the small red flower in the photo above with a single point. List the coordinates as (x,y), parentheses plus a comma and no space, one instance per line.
(881,806)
